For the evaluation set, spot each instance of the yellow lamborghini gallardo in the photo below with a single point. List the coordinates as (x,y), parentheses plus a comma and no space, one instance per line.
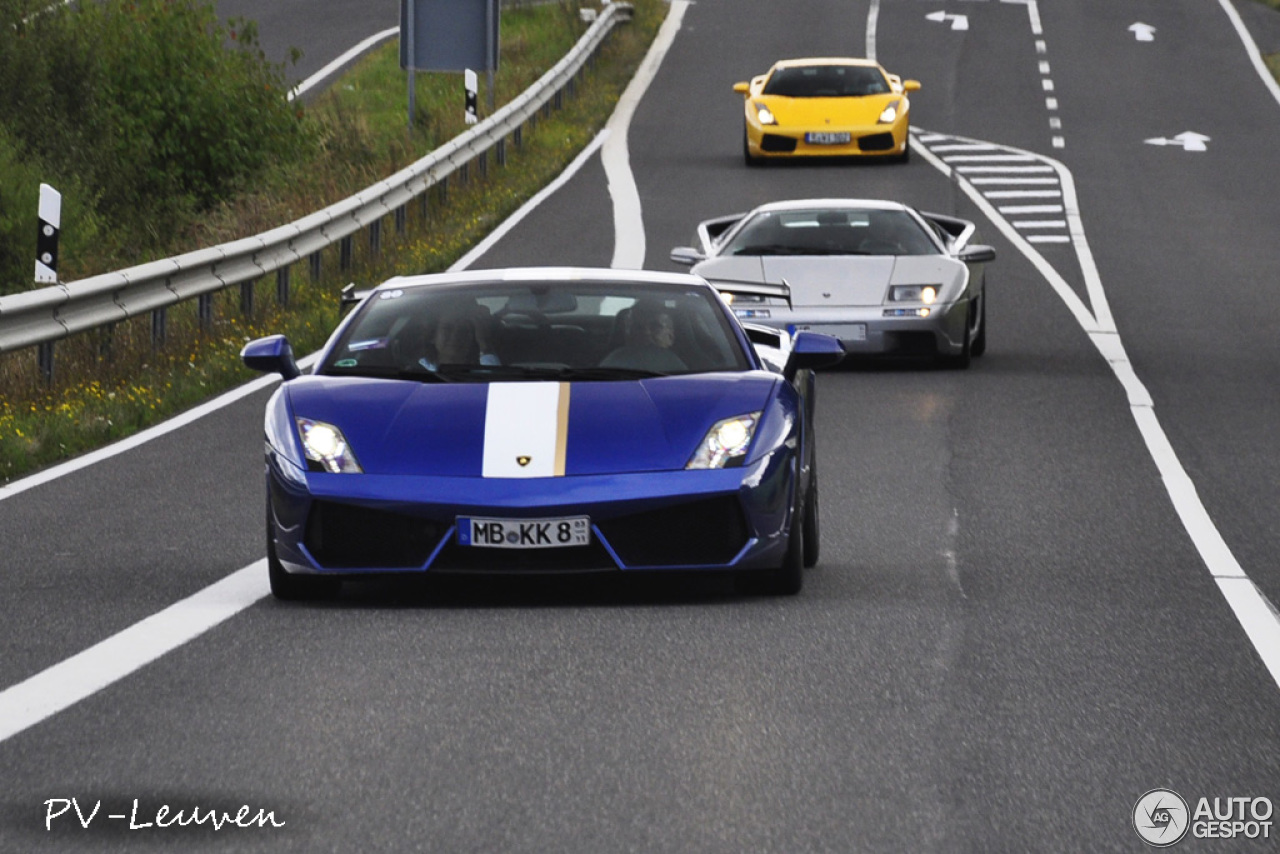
(826,107)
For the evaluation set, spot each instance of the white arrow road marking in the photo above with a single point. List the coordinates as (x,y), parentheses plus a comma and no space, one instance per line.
(958,22)
(1143,32)
(1189,140)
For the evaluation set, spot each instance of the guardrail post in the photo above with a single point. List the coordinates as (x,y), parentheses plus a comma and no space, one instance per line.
(483,162)
(502,152)
(559,98)
(44,358)
(518,136)
(464,173)
(375,237)
(344,253)
(204,311)
(402,221)
(106,342)
(444,190)
(246,298)
(282,286)
(315,265)
(159,327)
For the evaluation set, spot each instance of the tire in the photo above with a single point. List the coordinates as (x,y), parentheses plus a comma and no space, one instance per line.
(747,157)
(812,534)
(979,345)
(292,588)
(961,360)
(905,156)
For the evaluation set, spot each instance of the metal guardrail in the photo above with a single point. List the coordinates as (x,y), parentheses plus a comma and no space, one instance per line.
(45,315)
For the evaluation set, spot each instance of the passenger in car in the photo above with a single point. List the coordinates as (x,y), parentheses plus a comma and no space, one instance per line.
(650,337)
(460,338)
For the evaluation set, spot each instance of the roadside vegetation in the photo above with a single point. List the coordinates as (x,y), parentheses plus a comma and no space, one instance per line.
(110,384)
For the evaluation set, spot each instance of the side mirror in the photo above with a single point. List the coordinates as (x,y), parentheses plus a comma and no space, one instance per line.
(741,88)
(686,256)
(271,355)
(911,85)
(810,351)
(977,254)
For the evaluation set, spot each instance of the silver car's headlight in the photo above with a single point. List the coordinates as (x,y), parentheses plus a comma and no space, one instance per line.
(890,114)
(726,443)
(325,445)
(763,114)
(927,294)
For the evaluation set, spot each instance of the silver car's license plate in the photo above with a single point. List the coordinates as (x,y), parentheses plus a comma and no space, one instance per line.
(843,331)
(826,138)
(524,533)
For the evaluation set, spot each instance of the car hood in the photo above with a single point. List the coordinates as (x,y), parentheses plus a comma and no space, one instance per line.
(840,113)
(837,280)
(467,429)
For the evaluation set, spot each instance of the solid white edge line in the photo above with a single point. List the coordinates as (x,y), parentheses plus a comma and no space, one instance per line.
(541,196)
(336,65)
(628,219)
(70,681)
(1251,48)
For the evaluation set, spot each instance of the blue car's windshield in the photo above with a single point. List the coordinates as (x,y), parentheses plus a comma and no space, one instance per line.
(538,331)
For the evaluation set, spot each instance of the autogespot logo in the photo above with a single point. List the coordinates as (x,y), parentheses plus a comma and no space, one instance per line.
(1160,817)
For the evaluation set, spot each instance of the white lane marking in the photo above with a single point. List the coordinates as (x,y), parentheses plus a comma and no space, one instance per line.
(56,688)
(1028,209)
(1251,49)
(1040,223)
(989,158)
(1013,181)
(70,681)
(528,207)
(1259,620)
(1048,238)
(337,64)
(1025,194)
(628,220)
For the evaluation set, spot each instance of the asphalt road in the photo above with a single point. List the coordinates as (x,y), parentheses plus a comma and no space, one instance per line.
(1011,636)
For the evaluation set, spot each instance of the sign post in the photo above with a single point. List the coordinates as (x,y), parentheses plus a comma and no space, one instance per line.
(449,35)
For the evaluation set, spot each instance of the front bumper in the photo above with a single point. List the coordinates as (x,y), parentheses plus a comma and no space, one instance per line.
(357,524)
(866,331)
(790,141)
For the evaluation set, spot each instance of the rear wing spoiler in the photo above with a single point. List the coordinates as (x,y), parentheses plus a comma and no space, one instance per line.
(350,297)
(734,287)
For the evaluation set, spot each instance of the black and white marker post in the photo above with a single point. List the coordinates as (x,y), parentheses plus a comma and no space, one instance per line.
(472,84)
(50,214)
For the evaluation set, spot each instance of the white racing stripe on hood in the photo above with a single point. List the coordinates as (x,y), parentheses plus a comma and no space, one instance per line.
(526,428)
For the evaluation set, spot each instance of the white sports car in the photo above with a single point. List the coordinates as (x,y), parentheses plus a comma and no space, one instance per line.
(882,277)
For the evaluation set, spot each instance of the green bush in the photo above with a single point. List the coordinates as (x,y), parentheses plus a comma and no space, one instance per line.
(155,104)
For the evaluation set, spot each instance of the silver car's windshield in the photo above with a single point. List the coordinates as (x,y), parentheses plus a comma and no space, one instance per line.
(538,331)
(831,232)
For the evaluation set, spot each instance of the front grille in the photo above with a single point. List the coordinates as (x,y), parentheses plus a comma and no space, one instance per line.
(347,536)
(706,531)
(876,142)
(456,558)
(773,142)
(910,343)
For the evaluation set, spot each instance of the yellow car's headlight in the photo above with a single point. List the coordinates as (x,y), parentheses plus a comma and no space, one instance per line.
(890,114)
(763,114)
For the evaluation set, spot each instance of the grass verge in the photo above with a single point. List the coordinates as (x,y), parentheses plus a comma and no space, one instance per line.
(112,383)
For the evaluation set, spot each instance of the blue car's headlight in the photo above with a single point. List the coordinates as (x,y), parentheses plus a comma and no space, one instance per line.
(325,445)
(726,443)
(890,114)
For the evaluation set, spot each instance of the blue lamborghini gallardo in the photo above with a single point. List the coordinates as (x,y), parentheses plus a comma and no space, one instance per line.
(542,420)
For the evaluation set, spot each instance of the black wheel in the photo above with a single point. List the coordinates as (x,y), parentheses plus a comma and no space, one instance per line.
(961,360)
(979,345)
(812,540)
(747,157)
(295,587)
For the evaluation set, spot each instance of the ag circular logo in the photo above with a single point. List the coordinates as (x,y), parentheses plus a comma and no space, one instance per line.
(1161,818)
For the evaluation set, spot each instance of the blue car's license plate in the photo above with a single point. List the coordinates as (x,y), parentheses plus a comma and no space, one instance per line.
(524,533)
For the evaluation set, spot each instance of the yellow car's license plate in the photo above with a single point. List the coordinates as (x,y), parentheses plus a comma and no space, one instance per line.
(826,138)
